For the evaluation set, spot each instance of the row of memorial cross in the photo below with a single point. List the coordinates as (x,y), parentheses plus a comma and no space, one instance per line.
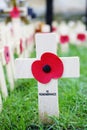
(20,41)
(46,68)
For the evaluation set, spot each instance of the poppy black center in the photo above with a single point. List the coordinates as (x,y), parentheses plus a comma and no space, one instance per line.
(46,68)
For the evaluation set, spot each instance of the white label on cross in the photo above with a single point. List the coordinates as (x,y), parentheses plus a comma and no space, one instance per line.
(47,93)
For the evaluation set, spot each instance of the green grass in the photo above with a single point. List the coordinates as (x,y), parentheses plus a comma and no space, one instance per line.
(20,110)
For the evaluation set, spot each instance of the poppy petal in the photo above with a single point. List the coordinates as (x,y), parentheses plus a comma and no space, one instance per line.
(55,63)
(38,72)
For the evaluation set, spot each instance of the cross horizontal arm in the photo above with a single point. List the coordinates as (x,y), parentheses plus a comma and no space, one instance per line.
(23,68)
(71,67)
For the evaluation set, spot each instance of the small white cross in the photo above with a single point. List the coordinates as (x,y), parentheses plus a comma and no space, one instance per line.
(47,93)
(8,66)
(3,86)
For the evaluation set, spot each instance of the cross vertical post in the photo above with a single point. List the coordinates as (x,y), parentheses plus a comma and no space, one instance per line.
(6,61)
(47,93)
(3,86)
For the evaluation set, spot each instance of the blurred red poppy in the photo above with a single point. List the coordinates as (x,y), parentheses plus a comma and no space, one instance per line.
(54,29)
(81,37)
(15,13)
(49,67)
(64,39)
(6,54)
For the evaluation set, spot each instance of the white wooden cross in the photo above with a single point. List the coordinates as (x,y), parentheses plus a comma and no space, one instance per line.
(64,32)
(47,93)
(3,86)
(28,34)
(9,68)
(8,65)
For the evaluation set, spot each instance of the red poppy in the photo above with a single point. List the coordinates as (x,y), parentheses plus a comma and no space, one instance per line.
(6,54)
(50,66)
(54,29)
(21,46)
(15,13)
(64,39)
(81,37)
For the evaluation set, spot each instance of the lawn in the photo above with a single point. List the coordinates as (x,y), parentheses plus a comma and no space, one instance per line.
(20,110)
